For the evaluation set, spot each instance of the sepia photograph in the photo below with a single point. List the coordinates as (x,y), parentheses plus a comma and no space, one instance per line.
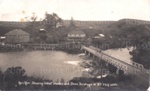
(74,45)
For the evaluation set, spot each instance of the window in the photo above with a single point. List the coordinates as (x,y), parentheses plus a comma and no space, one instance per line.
(72,35)
(77,35)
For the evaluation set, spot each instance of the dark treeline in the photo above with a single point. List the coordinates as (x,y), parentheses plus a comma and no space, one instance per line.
(9,80)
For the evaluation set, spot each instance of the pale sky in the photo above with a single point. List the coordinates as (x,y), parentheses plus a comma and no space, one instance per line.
(14,10)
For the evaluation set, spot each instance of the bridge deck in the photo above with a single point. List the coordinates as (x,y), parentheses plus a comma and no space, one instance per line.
(116,62)
(122,54)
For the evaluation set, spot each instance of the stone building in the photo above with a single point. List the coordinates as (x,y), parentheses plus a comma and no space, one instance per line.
(76,36)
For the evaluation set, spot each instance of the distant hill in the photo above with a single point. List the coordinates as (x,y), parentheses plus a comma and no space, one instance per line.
(125,25)
(88,24)
(14,24)
(6,26)
(134,21)
(128,22)
(78,23)
(107,27)
(85,24)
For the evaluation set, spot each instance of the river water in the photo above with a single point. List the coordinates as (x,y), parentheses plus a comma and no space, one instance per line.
(122,54)
(52,65)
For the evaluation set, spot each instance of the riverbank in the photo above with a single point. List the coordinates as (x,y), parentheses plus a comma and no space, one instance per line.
(72,48)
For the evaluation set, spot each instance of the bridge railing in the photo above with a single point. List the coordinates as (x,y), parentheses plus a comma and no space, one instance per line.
(134,65)
(137,65)
(101,54)
(108,55)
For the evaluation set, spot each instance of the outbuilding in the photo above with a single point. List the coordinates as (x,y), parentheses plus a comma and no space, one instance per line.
(17,36)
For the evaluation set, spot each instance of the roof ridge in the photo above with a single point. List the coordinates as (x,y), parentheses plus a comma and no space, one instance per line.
(17,32)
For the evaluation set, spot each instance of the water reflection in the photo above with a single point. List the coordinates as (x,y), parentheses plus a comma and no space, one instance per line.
(50,64)
(122,53)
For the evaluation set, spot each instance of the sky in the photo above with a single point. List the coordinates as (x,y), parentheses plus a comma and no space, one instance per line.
(17,10)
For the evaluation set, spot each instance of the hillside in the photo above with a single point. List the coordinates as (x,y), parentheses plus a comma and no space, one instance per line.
(124,28)
(14,24)
(106,27)
(88,24)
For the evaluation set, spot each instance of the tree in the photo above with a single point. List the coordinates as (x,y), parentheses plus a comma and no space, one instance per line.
(33,25)
(141,55)
(141,37)
(43,37)
(72,24)
(33,19)
(51,20)
(12,76)
(1,79)
(96,66)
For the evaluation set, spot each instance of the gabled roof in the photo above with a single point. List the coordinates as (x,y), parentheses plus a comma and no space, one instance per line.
(17,32)
(42,29)
(2,37)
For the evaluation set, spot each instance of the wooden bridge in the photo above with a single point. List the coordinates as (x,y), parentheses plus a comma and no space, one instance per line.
(133,68)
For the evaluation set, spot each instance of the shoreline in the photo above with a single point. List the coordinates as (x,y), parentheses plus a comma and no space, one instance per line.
(69,48)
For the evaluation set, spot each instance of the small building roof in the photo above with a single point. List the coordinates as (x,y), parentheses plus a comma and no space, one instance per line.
(17,32)
(2,37)
(102,35)
(42,29)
